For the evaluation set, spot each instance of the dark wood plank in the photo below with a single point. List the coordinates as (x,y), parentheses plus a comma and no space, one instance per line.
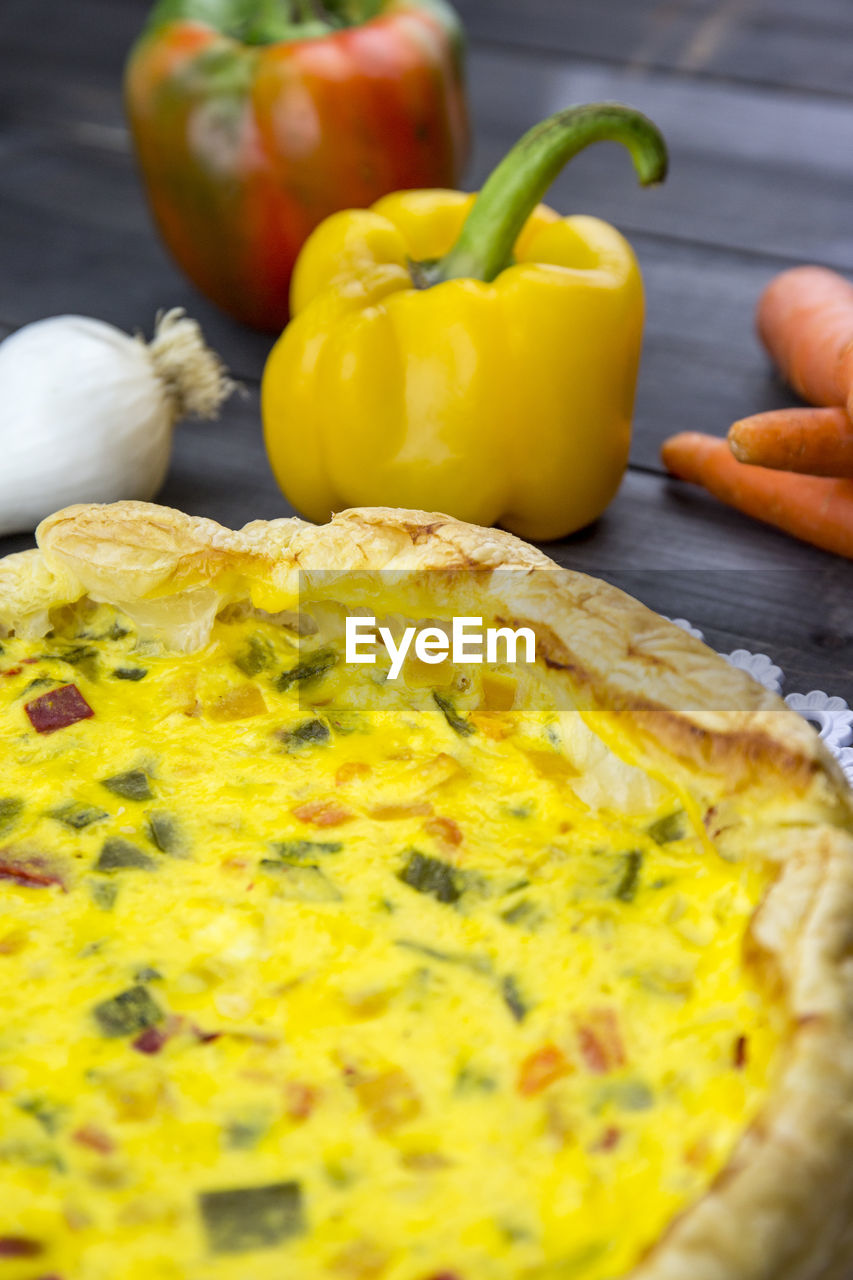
(617,31)
(781,43)
(71,205)
(756,170)
(702,366)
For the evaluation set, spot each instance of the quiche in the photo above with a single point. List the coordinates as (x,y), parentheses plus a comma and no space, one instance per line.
(510,970)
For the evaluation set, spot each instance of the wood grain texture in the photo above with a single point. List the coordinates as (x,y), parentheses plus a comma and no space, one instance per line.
(752,170)
(800,45)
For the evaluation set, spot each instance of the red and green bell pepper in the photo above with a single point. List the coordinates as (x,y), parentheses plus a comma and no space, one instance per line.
(253,120)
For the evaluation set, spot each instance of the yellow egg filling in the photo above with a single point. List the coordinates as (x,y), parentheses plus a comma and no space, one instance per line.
(304,972)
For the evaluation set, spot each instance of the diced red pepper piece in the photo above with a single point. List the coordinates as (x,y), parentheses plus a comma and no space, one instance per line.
(322,813)
(206,1037)
(542,1068)
(32,872)
(609,1139)
(350,771)
(301,1099)
(12,671)
(94,1138)
(445,830)
(19,1247)
(150,1041)
(58,709)
(600,1041)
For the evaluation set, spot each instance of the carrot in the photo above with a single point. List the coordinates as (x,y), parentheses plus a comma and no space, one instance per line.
(805,320)
(813,508)
(817,442)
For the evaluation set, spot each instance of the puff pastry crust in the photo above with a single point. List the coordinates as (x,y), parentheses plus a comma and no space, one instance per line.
(782,1207)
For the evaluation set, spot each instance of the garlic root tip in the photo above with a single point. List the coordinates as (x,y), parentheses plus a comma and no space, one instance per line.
(195,379)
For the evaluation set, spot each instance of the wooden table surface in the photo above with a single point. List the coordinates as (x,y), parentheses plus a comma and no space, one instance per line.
(756,100)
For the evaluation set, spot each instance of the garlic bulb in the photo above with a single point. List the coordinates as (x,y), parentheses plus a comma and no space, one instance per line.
(87,412)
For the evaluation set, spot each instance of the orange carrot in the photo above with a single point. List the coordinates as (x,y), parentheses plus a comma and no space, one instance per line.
(813,508)
(817,442)
(805,320)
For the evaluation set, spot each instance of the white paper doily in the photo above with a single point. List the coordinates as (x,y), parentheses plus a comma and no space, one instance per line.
(828,713)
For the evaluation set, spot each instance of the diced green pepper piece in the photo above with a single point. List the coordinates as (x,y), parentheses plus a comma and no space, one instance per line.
(133,785)
(672,827)
(242,1135)
(256,657)
(630,1095)
(11,808)
(242,1220)
(513,998)
(457,722)
(40,682)
(344,721)
(309,733)
(302,884)
(48,1114)
(77,815)
(304,850)
(626,890)
(471,1080)
(104,893)
(82,656)
(309,669)
(79,654)
(432,876)
(164,832)
(130,673)
(130,1011)
(121,855)
(478,964)
(525,915)
(147,974)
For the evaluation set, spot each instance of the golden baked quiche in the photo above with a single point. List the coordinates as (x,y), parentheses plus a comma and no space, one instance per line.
(537,968)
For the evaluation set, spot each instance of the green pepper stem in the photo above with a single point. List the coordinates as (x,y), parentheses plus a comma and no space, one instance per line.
(520,181)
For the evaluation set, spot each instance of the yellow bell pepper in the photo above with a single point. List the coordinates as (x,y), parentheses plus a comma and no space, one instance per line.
(475,356)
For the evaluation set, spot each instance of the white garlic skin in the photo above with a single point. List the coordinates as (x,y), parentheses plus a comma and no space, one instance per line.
(83,418)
